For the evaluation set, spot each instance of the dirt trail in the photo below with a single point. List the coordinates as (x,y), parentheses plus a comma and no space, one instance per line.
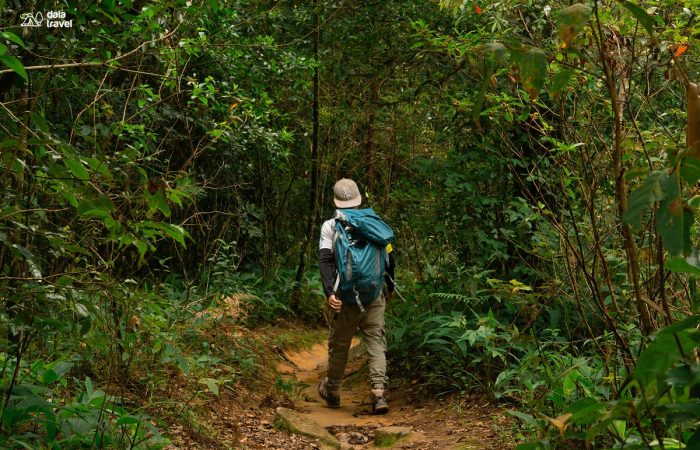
(436,425)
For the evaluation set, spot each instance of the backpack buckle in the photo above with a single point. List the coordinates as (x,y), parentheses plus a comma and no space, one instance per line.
(357,299)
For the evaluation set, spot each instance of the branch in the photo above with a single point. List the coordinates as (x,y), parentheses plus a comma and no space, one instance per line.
(93,63)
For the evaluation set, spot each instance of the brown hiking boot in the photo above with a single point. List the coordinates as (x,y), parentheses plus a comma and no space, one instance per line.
(380,405)
(332,398)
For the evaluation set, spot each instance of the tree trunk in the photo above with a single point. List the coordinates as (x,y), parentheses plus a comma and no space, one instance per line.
(313,194)
(621,189)
(371,144)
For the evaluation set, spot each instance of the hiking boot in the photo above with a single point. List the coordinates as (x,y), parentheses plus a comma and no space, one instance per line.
(380,405)
(332,398)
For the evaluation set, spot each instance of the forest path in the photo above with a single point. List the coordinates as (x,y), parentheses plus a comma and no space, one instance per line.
(435,424)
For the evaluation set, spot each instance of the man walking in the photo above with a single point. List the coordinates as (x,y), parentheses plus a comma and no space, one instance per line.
(353,290)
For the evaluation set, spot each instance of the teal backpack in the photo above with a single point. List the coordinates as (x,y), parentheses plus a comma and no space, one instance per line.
(360,255)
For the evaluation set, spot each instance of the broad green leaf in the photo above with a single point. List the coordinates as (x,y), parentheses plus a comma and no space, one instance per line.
(681,412)
(451,4)
(100,167)
(64,281)
(620,410)
(638,12)
(183,364)
(18,250)
(673,219)
(212,385)
(682,325)
(18,166)
(49,376)
(40,121)
(8,143)
(58,171)
(127,420)
(690,170)
(78,250)
(15,64)
(642,198)
(12,37)
(75,166)
(175,232)
(89,388)
(620,426)
(585,410)
(101,207)
(683,265)
(560,80)
(496,52)
(142,247)
(680,376)
(81,309)
(663,352)
(112,225)
(694,202)
(527,418)
(571,21)
(157,202)
(656,359)
(70,198)
(86,325)
(533,68)
(56,370)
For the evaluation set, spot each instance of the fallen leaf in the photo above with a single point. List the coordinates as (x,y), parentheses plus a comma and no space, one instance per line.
(560,422)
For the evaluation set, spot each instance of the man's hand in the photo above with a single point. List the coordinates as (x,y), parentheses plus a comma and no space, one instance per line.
(389,295)
(334,303)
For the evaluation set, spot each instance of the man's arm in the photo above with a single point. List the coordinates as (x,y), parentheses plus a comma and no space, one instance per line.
(327,265)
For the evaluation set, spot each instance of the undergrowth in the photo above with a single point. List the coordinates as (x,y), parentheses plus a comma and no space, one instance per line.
(120,386)
(531,353)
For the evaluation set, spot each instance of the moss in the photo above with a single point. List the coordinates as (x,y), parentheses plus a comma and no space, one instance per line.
(385,440)
(387,437)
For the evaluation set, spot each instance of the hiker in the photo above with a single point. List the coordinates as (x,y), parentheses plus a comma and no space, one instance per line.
(353,304)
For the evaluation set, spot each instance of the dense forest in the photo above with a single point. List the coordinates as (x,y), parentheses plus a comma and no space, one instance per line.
(538,161)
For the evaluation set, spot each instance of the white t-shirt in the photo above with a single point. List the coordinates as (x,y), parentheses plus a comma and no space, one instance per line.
(327,235)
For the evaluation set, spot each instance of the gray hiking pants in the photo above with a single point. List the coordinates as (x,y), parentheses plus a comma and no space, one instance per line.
(343,327)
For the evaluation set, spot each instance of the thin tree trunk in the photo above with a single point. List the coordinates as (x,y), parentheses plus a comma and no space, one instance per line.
(621,190)
(371,145)
(313,195)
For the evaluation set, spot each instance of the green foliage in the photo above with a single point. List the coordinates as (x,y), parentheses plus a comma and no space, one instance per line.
(532,186)
(641,15)
(673,218)
(532,65)
(152,192)
(572,20)
(90,419)
(660,397)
